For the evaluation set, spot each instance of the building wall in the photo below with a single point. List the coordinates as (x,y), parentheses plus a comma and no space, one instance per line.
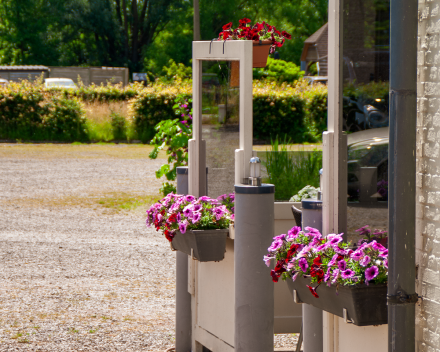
(428,178)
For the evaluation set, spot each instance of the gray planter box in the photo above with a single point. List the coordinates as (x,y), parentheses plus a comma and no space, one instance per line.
(364,305)
(206,245)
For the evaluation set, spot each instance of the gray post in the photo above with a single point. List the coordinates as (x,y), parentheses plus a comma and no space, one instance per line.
(183,297)
(254,289)
(402,174)
(312,317)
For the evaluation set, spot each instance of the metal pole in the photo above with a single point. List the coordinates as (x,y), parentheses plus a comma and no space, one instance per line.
(254,290)
(183,297)
(402,172)
(312,317)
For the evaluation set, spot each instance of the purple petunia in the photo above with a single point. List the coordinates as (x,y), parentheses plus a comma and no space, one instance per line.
(303,264)
(196,217)
(384,254)
(293,233)
(187,211)
(347,274)
(295,276)
(281,237)
(357,255)
(342,265)
(371,273)
(275,245)
(267,260)
(182,226)
(365,261)
(334,239)
(189,198)
(335,276)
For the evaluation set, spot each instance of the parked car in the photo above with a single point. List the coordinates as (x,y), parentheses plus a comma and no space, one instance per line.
(368,149)
(3,82)
(59,83)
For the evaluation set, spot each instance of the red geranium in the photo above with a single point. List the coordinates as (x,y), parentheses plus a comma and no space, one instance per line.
(227,26)
(286,35)
(258,31)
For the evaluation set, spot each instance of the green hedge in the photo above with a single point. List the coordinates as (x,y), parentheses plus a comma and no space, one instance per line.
(31,112)
(28,112)
(155,104)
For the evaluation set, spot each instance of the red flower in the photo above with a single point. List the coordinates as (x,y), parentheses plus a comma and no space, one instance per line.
(278,44)
(169,236)
(244,21)
(224,35)
(274,275)
(279,268)
(228,26)
(277,31)
(172,218)
(268,26)
(259,26)
(313,290)
(317,261)
(286,35)
(291,251)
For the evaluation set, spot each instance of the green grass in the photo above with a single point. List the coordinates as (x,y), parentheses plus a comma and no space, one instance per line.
(290,171)
(123,201)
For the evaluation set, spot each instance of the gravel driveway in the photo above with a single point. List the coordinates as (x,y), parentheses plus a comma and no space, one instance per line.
(77,274)
(74,275)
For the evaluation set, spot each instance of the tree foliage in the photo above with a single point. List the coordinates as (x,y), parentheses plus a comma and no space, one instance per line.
(140,34)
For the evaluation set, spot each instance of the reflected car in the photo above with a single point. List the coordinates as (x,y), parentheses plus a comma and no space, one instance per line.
(316,79)
(60,83)
(367,149)
(364,114)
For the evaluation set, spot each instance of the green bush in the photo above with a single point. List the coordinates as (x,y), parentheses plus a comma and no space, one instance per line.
(278,71)
(298,112)
(155,104)
(27,112)
(119,126)
(32,112)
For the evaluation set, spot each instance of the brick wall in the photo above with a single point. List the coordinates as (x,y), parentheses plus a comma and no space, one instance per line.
(428,178)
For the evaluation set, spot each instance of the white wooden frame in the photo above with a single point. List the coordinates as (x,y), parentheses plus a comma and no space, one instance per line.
(232,50)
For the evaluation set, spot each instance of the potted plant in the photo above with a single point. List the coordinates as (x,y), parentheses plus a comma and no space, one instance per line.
(327,274)
(266,38)
(195,226)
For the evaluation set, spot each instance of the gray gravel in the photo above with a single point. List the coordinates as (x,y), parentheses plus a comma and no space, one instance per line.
(75,276)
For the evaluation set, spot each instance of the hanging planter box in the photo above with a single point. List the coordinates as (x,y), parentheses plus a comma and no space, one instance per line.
(261,52)
(204,245)
(361,304)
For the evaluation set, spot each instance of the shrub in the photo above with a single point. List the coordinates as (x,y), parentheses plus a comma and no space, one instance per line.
(278,71)
(28,112)
(278,111)
(119,126)
(155,104)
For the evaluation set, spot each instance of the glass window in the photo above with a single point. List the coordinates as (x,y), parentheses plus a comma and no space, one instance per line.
(366,112)
(220,123)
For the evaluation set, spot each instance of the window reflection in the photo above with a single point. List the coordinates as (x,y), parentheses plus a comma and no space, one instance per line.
(220,123)
(366,112)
